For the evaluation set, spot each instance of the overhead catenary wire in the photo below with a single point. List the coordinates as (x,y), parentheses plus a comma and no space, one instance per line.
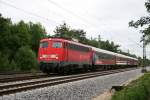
(135,43)
(71,13)
(41,17)
(25,11)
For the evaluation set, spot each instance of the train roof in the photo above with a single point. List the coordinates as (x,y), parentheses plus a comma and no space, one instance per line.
(102,50)
(93,48)
(111,53)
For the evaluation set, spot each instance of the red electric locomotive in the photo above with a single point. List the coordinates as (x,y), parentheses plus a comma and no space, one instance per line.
(59,55)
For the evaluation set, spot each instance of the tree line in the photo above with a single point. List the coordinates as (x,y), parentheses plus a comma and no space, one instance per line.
(19,43)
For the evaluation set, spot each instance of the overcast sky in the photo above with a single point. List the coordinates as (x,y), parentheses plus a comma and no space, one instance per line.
(108,18)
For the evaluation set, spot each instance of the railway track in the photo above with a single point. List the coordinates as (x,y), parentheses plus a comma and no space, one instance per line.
(22,78)
(13,72)
(33,84)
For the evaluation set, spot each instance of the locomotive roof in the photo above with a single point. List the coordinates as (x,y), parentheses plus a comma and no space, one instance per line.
(64,40)
(93,48)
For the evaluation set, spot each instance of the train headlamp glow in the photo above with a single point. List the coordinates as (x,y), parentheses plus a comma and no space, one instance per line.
(44,56)
(53,56)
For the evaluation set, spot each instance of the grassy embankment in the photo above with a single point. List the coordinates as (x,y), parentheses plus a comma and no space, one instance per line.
(137,90)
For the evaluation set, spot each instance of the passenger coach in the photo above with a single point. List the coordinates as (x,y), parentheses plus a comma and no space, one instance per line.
(110,60)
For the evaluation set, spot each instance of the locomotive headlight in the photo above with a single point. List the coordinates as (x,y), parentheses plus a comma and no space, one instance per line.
(53,56)
(44,56)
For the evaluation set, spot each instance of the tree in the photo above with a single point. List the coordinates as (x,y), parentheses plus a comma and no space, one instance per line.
(79,34)
(37,32)
(25,59)
(93,42)
(15,36)
(5,25)
(143,21)
(4,63)
(64,31)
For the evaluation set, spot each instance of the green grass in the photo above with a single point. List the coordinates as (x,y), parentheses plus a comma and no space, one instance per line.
(137,90)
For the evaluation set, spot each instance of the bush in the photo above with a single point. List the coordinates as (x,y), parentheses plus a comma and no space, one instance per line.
(14,66)
(25,59)
(136,90)
(4,63)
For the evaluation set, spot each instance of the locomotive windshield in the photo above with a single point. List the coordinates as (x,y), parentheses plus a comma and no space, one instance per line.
(44,44)
(56,44)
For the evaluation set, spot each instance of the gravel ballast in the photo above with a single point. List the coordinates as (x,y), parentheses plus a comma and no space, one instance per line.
(79,90)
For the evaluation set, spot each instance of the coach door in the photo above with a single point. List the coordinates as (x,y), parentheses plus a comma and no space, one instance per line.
(66,51)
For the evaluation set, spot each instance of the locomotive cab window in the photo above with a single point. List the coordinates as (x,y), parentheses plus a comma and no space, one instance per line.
(44,44)
(56,44)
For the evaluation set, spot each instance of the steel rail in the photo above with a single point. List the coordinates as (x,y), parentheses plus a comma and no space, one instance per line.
(21,78)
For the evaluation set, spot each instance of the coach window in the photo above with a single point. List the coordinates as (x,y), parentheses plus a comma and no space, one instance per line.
(56,44)
(44,44)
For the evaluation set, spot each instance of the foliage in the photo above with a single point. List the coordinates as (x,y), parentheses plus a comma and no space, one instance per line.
(136,90)
(4,62)
(16,36)
(140,62)
(25,59)
(128,54)
(143,22)
(64,31)
(37,32)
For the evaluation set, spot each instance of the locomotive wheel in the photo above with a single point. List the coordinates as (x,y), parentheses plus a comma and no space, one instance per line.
(47,72)
(92,68)
(72,70)
(61,70)
(85,68)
